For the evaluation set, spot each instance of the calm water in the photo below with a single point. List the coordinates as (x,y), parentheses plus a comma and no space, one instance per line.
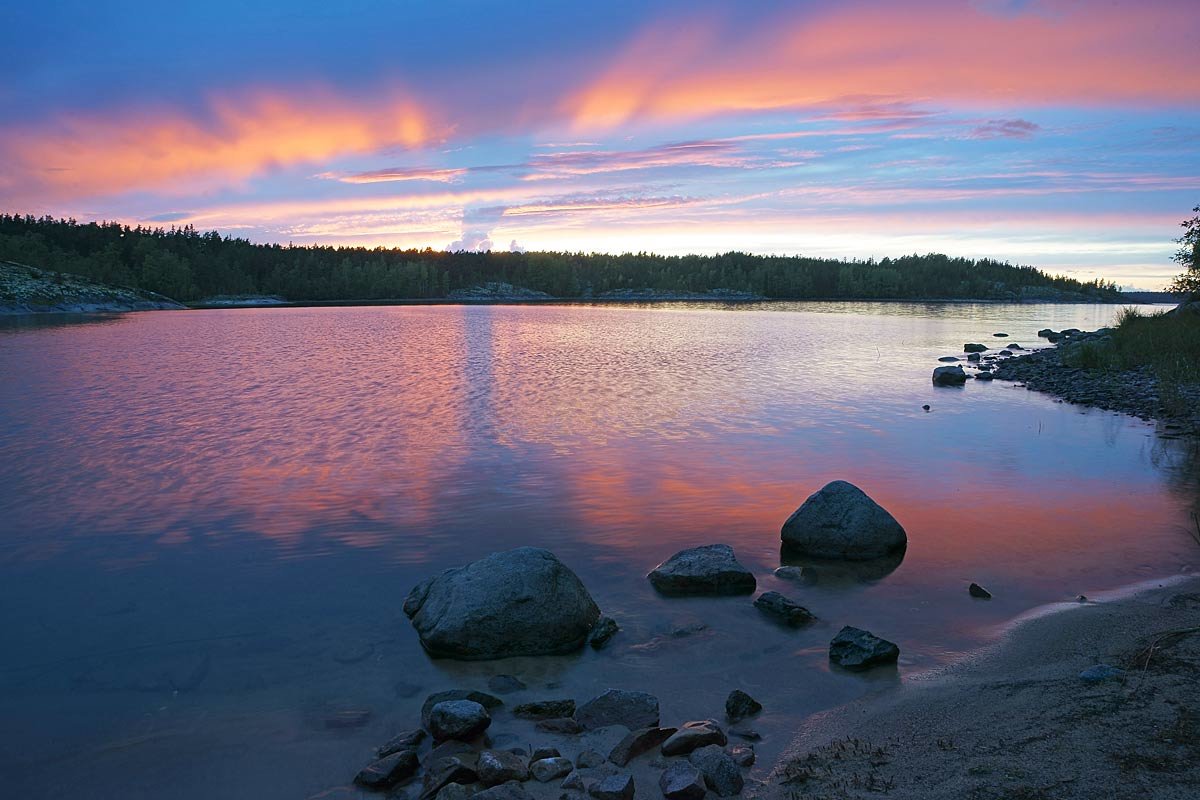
(209,520)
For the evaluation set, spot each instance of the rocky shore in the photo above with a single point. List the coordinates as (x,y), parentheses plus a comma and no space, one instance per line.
(29,290)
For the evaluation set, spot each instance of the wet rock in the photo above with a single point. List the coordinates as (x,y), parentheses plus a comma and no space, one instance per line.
(693,735)
(856,649)
(740,705)
(1014,346)
(500,766)
(974,348)
(588,759)
(984,376)
(634,710)
(784,610)
(841,521)
(949,359)
(389,770)
(563,725)
(791,574)
(614,787)
(682,781)
(451,748)
(442,772)
(708,570)
(544,752)
(456,791)
(637,742)
(545,709)
(973,357)
(505,684)
(1046,333)
(408,740)
(949,376)
(742,755)
(1000,335)
(573,781)
(458,719)
(483,698)
(547,769)
(925,407)
(1101,673)
(505,791)
(975,590)
(606,628)
(521,602)
(720,772)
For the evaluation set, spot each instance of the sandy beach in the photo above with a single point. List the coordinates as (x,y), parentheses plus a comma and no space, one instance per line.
(1017,719)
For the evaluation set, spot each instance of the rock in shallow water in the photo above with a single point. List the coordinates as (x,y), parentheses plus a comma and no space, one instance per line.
(740,705)
(505,684)
(499,766)
(458,719)
(708,570)
(545,709)
(634,710)
(521,602)
(720,772)
(856,649)
(606,628)
(975,590)
(693,735)
(637,742)
(408,740)
(784,610)
(949,376)
(682,781)
(841,521)
(388,770)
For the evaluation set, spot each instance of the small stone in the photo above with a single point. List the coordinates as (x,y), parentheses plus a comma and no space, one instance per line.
(783,609)
(505,684)
(692,735)
(925,407)
(634,710)
(458,719)
(563,725)
(547,769)
(500,766)
(1101,673)
(740,705)
(588,759)
(637,742)
(545,709)
(975,590)
(720,772)
(856,649)
(614,787)
(544,752)
(388,770)
(1000,335)
(606,628)
(742,755)
(408,740)
(949,359)
(483,698)
(682,781)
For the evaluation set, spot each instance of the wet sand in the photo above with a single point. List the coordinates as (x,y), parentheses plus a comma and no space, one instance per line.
(1016,720)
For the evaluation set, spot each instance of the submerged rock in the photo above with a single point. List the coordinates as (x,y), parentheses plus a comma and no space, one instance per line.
(634,710)
(458,719)
(708,570)
(505,684)
(949,376)
(742,755)
(566,726)
(784,610)
(740,705)
(841,521)
(408,740)
(682,781)
(545,709)
(949,359)
(856,649)
(521,602)
(547,769)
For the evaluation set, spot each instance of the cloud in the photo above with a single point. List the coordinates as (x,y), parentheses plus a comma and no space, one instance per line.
(394,174)
(1005,129)
(513,247)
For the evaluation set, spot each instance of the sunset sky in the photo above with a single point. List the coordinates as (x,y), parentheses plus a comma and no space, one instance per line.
(1065,134)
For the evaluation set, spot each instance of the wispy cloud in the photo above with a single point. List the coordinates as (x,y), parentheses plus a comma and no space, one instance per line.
(1005,129)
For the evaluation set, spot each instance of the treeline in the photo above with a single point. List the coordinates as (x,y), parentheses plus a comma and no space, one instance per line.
(185,264)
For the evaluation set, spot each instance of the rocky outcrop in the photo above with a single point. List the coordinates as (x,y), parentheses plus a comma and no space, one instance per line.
(522,602)
(841,521)
(29,290)
(708,570)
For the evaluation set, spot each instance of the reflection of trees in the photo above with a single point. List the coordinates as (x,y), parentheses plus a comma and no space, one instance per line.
(1178,457)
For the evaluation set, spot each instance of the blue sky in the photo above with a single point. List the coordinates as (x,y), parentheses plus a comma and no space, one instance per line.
(1052,132)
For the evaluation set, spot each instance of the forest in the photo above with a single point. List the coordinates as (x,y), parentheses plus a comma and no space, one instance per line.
(189,265)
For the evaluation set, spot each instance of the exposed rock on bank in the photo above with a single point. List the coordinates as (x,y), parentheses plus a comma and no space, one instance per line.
(29,290)
(497,291)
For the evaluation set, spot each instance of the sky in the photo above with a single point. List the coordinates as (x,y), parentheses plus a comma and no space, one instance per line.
(1059,133)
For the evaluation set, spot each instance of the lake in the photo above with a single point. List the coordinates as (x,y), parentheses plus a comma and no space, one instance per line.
(209,520)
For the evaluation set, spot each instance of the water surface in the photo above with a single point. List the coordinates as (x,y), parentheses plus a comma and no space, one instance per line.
(209,519)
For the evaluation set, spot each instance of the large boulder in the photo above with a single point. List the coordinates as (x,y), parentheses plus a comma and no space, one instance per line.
(521,602)
(710,570)
(840,521)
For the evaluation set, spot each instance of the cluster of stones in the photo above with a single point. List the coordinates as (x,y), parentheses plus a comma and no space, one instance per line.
(463,762)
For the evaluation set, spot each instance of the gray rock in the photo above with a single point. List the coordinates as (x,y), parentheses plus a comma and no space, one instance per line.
(545,709)
(634,710)
(1000,335)
(1101,673)
(780,608)
(588,759)
(949,359)
(1046,333)
(483,698)
(442,772)
(500,766)
(606,628)
(521,602)
(856,649)
(1014,346)
(505,791)
(573,781)
(505,684)
(791,574)
(389,770)
(742,755)
(547,769)
(984,376)
(744,732)
(740,705)
(456,791)
(682,781)
(975,590)
(720,772)
(458,719)
(544,752)
(614,787)
(708,570)
(974,348)
(949,376)
(973,357)
(563,725)
(408,740)
(692,735)
(451,748)
(840,521)
(637,742)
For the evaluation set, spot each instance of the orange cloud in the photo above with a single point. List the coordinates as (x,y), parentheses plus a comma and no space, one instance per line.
(236,138)
(1085,54)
